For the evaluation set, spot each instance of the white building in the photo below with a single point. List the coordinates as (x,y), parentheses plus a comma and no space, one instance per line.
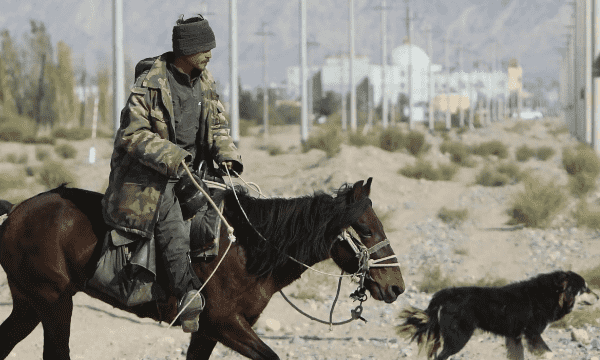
(335,77)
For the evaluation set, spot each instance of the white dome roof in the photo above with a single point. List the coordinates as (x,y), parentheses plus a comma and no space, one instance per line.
(400,56)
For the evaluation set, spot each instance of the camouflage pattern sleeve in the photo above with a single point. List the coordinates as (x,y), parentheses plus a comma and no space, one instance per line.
(137,138)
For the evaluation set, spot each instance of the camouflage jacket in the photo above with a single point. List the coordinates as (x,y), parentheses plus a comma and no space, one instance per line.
(145,154)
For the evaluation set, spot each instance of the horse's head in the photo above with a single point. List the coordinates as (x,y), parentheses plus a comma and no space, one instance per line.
(372,253)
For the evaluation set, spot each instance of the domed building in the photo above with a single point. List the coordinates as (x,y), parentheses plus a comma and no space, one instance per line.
(402,57)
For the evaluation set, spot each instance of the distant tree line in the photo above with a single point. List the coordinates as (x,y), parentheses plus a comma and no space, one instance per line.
(38,82)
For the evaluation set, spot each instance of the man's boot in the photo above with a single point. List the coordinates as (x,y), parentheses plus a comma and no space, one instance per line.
(190,305)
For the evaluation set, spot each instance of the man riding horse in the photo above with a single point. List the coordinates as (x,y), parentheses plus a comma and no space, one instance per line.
(173,114)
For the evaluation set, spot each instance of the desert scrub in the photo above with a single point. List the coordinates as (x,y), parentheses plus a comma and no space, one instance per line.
(271,149)
(581,159)
(39,140)
(524,153)
(563,129)
(52,174)
(72,134)
(359,139)
(424,170)
(453,217)
(326,139)
(494,147)
(537,205)
(392,139)
(520,127)
(500,175)
(544,153)
(433,280)
(41,153)
(16,159)
(416,144)
(459,153)
(581,184)
(586,217)
(66,151)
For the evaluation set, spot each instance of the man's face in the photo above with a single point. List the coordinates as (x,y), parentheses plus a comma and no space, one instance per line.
(199,60)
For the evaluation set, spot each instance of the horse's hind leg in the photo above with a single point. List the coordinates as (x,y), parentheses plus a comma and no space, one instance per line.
(56,320)
(200,347)
(21,322)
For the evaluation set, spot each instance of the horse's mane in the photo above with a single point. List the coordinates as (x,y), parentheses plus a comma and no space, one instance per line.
(302,227)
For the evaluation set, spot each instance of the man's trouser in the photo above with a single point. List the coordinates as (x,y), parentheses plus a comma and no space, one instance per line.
(173,242)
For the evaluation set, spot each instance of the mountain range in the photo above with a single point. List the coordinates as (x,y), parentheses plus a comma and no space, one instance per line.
(494,31)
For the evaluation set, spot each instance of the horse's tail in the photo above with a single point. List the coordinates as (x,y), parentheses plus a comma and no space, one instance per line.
(421,327)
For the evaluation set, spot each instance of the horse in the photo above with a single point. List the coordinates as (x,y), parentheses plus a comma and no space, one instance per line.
(50,245)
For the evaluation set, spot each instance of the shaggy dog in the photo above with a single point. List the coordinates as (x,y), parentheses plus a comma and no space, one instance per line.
(521,309)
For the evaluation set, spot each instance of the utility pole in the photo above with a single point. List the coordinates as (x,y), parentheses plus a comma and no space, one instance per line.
(410,69)
(461,120)
(353,122)
(384,97)
(303,73)
(343,91)
(447,83)
(595,80)
(472,103)
(311,95)
(118,63)
(234,102)
(264,34)
(430,84)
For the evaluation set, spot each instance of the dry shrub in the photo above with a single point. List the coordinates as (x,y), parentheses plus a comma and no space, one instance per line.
(72,134)
(424,170)
(488,176)
(416,144)
(582,159)
(42,153)
(544,153)
(392,139)
(520,127)
(360,139)
(328,140)
(66,151)
(453,217)
(11,133)
(52,174)
(537,204)
(524,153)
(39,140)
(586,217)
(581,183)
(459,153)
(494,147)
(433,280)
(16,159)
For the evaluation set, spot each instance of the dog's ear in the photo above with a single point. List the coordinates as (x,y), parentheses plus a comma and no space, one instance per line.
(561,282)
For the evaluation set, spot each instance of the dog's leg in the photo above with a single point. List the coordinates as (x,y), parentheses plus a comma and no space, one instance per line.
(536,345)
(456,332)
(514,349)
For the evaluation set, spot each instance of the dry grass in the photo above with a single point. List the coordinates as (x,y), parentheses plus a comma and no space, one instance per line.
(537,205)
(424,170)
(453,217)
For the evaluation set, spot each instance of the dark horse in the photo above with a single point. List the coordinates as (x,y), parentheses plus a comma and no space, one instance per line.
(50,244)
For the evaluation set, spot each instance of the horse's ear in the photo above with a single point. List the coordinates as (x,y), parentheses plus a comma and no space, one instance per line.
(367,186)
(357,190)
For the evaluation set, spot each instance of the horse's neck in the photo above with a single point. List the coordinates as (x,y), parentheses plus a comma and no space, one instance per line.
(292,271)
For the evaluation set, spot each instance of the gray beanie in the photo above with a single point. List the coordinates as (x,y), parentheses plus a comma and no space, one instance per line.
(192,36)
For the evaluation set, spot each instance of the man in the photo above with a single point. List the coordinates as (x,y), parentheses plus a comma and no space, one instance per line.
(173,113)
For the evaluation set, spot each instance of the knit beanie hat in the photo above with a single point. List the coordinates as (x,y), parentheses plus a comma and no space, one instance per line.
(192,36)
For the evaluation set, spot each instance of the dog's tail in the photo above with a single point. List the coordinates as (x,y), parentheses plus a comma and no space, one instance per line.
(420,327)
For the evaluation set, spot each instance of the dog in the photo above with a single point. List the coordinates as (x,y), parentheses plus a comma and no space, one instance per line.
(521,309)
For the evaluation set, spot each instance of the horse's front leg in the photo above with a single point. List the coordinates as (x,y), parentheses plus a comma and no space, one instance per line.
(237,334)
(200,347)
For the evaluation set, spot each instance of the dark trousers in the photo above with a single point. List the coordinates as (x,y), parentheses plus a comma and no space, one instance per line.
(173,244)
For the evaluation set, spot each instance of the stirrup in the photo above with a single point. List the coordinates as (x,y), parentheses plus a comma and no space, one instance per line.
(190,316)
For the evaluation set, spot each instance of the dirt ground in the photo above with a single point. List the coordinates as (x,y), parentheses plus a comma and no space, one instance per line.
(101,332)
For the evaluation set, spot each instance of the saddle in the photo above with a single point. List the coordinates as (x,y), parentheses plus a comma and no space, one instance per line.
(127,267)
